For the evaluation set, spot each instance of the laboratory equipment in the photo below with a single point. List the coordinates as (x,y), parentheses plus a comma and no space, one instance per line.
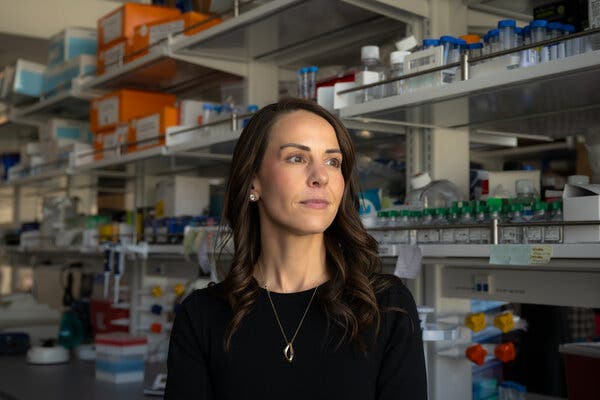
(509,390)
(480,235)
(371,71)
(555,31)
(311,82)
(507,34)
(45,355)
(427,43)
(514,234)
(538,33)
(554,233)
(397,70)
(535,234)
(120,358)
(427,193)
(303,82)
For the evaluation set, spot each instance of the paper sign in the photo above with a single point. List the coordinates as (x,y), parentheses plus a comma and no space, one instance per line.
(520,254)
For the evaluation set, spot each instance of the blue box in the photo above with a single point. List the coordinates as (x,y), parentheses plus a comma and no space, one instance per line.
(60,77)
(71,43)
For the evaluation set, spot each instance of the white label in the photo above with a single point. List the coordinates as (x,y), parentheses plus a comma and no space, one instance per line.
(110,143)
(594,13)
(113,57)
(422,237)
(387,237)
(112,27)
(509,235)
(162,31)
(533,234)
(552,234)
(462,235)
(448,236)
(161,234)
(108,111)
(401,236)
(475,235)
(148,130)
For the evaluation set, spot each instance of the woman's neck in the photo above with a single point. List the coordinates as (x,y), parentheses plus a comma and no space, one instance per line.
(290,263)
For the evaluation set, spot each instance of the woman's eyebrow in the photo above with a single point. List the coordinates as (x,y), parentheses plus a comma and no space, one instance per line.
(306,148)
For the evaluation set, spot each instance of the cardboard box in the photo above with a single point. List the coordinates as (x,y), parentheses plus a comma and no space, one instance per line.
(581,203)
(112,57)
(65,131)
(80,154)
(123,105)
(112,143)
(71,43)
(181,195)
(23,82)
(121,22)
(149,131)
(60,77)
(190,23)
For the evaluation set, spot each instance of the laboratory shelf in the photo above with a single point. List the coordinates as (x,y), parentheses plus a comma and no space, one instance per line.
(72,103)
(160,70)
(560,251)
(558,98)
(291,33)
(36,179)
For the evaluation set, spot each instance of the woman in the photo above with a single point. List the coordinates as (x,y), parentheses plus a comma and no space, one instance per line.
(303,312)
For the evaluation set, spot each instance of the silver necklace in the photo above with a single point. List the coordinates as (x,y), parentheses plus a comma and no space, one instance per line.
(288,350)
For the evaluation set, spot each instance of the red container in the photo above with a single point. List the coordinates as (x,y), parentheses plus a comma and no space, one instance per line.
(103,314)
(582,362)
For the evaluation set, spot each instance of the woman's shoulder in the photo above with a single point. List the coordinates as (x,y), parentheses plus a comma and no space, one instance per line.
(210,298)
(392,292)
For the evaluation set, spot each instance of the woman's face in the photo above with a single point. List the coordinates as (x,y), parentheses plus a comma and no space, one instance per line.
(300,182)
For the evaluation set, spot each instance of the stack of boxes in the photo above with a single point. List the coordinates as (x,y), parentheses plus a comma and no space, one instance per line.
(120,358)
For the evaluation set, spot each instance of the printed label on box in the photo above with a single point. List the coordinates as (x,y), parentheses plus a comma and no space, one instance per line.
(148,130)
(108,111)
(162,31)
(113,57)
(112,27)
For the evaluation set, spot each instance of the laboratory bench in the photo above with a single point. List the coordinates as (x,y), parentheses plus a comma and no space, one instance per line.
(73,380)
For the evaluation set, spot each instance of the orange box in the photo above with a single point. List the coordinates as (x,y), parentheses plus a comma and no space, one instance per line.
(112,56)
(111,143)
(150,130)
(124,104)
(121,22)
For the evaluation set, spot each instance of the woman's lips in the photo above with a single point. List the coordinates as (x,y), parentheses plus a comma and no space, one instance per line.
(315,203)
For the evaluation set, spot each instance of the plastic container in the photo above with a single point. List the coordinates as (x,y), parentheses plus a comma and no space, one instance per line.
(461,234)
(449,44)
(480,235)
(452,219)
(538,33)
(401,220)
(582,363)
(303,82)
(514,234)
(554,234)
(427,43)
(312,82)
(371,71)
(509,390)
(507,34)
(475,50)
(572,46)
(494,40)
(555,31)
(535,234)
(397,70)
(120,358)
(431,194)
(426,236)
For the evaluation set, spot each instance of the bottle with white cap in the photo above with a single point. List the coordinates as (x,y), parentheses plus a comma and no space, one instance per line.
(371,71)
(397,70)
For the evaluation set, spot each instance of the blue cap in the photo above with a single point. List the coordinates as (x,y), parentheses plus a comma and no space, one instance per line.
(206,106)
(218,108)
(303,70)
(494,32)
(555,25)
(486,37)
(475,46)
(526,30)
(431,42)
(569,28)
(252,108)
(461,42)
(313,68)
(507,23)
(447,39)
(538,23)
(518,30)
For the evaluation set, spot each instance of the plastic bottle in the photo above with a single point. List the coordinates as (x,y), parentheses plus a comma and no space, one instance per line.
(431,194)
(529,56)
(475,50)
(539,33)
(461,234)
(572,46)
(208,113)
(555,31)
(397,70)
(371,71)
(427,43)
(312,82)
(451,55)
(486,44)
(414,219)
(507,34)
(480,235)
(303,82)
(494,40)
(452,219)
(384,237)
(426,236)
(440,219)
(535,234)
(514,234)
(402,220)
(554,234)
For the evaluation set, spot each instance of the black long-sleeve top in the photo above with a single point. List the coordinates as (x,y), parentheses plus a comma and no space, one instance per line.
(255,367)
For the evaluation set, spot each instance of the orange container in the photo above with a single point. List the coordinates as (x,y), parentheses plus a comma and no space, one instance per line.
(121,22)
(122,105)
(149,131)
(112,56)
(146,35)
(471,38)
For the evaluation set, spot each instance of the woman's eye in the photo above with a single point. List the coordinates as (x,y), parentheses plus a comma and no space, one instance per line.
(295,159)
(334,162)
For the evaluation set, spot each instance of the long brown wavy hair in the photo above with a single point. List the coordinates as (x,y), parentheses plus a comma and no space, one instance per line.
(351,253)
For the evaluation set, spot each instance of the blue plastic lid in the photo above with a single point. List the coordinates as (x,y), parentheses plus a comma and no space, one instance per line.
(252,108)
(475,46)
(507,23)
(526,30)
(303,70)
(569,28)
(218,108)
(208,106)
(313,68)
(461,42)
(447,39)
(431,42)
(494,32)
(538,23)
(486,37)
(518,30)
(555,25)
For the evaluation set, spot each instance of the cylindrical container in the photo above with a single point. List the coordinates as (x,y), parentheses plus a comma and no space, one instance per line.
(397,70)
(539,33)
(448,43)
(555,31)
(486,44)
(494,40)
(427,43)
(475,49)
(312,82)
(572,46)
(303,82)
(507,34)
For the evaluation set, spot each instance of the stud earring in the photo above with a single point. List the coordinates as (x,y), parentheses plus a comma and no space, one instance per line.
(253,197)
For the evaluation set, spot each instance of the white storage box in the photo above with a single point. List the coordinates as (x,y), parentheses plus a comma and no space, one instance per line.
(60,77)
(120,357)
(80,154)
(581,203)
(71,43)
(66,131)
(181,196)
(23,82)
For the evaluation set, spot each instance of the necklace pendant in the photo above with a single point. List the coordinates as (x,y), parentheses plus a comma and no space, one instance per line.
(288,352)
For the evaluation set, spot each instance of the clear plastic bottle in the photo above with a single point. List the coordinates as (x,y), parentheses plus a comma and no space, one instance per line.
(475,50)
(397,70)
(507,34)
(303,83)
(448,233)
(572,46)
(494,40)
(431,194)
(529,56)
(371,71)
(514,234)
(451,55)
(538,33)
(486,44)
(535,234)
(554,234)
(414,219)
(480,235)
(440,219)
(312,82)
(555,31)
(461,234)
(402,220)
